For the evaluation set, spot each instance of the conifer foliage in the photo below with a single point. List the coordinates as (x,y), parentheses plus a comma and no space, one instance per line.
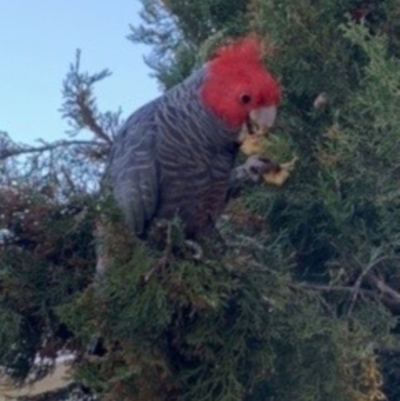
(305,303)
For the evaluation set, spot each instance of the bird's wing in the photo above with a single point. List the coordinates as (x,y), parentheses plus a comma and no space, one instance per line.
(132,172)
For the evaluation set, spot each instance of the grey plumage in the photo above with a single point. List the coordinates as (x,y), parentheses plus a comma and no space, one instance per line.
(173,157)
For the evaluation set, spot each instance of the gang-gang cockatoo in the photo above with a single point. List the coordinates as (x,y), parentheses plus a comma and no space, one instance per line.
(175,155)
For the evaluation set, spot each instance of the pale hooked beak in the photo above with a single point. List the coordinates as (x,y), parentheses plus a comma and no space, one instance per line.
(264,117)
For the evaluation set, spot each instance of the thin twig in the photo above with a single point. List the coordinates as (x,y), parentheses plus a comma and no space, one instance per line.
(364,273)
(325,288)
(90,121)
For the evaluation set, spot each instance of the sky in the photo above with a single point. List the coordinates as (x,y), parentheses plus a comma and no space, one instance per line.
(38,41)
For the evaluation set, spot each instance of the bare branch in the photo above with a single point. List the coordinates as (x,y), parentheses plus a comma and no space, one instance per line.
(10,152)
(384,288)
(356,288)
(326,288)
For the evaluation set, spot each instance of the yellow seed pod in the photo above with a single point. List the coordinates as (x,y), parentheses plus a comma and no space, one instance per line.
(252,145)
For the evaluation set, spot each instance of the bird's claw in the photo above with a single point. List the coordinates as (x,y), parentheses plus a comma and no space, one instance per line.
(255,167)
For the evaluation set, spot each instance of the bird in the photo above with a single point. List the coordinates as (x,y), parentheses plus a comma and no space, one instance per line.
(175,156)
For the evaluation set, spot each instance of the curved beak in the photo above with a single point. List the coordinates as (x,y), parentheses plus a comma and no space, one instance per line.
(264,117)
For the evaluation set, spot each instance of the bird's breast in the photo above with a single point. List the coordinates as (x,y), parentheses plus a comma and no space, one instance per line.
(194,189)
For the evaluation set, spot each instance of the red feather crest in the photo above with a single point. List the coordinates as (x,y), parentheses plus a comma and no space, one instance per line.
(249,48)
(236,70)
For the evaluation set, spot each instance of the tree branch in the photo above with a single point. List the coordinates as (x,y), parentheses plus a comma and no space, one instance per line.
(80,106)
(392,295)
(363,275)
(326,288)
(89,120)
(10,152)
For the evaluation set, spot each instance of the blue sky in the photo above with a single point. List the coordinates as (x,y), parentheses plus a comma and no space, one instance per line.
(38,39)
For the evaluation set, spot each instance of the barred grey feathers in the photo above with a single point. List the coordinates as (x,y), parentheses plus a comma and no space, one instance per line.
(172,157)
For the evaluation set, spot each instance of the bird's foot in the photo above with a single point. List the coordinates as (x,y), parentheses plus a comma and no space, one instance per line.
(255,167)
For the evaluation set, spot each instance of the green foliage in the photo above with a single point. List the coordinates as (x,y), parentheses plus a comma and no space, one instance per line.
(336,219)
(178,30)
(47,258)
(223,331)
(340,209)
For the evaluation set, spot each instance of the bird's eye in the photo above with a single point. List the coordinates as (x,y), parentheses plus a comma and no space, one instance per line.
(245,98)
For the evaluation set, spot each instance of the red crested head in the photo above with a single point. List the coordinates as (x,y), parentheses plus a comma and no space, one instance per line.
(238,83)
